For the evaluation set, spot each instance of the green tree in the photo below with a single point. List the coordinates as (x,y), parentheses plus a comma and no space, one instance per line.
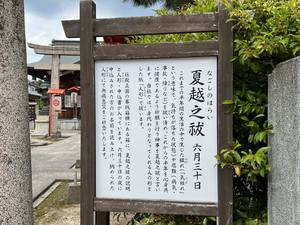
(266,32)
(169,4)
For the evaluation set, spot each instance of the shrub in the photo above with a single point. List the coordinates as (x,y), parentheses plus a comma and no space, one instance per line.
(266,32)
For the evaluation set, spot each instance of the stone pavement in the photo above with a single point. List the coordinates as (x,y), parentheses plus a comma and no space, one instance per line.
(53,162)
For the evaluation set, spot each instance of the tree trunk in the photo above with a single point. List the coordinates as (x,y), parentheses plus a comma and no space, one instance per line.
(15,165)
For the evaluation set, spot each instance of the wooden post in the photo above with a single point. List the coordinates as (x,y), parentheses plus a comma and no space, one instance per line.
(88,128)
(225,91)
(50,115)
(54,84)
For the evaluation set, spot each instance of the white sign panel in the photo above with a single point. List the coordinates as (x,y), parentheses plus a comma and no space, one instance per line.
(74,96)
(56,103)
(156,129)
(68,103)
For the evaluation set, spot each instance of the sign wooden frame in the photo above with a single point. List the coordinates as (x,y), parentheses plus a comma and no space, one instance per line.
(87,29)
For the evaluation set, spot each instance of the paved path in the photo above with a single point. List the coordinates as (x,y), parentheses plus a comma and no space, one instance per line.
(53,162)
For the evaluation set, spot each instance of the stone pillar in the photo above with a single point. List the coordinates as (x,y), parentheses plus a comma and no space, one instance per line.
(284,114)
(55,71)
(15,166)
(37,110)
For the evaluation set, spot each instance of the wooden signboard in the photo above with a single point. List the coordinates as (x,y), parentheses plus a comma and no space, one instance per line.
(152,117)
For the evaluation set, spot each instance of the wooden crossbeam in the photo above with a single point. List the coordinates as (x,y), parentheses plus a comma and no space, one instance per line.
(160,50)
(206,22)
(156,207)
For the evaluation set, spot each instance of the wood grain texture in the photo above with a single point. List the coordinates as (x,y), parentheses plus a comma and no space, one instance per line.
(207,22)
(87,29)
(161,50)
(225,132)
(88,140)
(156,207)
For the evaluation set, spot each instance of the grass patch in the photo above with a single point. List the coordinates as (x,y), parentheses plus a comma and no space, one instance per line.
(56,200)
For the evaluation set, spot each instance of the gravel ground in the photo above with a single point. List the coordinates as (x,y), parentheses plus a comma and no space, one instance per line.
(70,215)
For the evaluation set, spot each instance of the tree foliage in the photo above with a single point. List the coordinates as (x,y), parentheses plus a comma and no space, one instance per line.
(169,4)
(266,32)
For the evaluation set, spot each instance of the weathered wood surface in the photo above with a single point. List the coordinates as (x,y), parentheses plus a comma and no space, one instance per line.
(55,50)
(157,207)
(87,29)
(207,22)
(161,50)
(88,141)
(225,133)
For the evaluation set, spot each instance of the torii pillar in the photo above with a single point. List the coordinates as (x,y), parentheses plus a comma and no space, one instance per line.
(55,71)
(56,52)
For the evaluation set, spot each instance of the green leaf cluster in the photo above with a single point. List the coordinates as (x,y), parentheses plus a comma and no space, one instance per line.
(265,28)
(266,32)
(245,163)
(150,219)
(248,155)
(205,6)
(169,4)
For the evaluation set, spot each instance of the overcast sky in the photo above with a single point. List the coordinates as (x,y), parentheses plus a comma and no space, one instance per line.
(43,18)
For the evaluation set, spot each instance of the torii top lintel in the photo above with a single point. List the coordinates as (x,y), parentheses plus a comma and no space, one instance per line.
(55,50)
